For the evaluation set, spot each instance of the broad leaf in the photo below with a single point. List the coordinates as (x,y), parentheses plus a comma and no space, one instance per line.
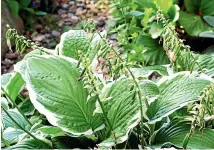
(15,85)
(207,34)
(122,111)
(27,107)
(73,41)
(11,135)
(163,5)
(154,53)
(175,132)
(149,88)
(30,144)
(14,7)
(17,117)
(209,20)
(206,63)
(148,70)
(24,3)
(5,78)
(180,90)
(193,24)
(55,92)
(202,7)
(50,130)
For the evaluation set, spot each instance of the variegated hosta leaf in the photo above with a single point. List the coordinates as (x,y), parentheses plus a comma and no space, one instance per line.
(175,132)
(30,144)
(72,42)
(178,91)
(206,62)
(149,88)
(145,72)
(55,92)
(122,111)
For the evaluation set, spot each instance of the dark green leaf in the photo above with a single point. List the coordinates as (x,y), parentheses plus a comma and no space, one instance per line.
(193,24)
(14,7)
(175,133)
(154,53)
(24,3)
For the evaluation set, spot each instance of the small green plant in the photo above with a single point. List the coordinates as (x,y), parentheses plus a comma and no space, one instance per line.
(26,9)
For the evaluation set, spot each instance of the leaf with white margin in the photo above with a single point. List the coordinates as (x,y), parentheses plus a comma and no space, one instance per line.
(178,91)
(122,111)
(175,132)
(71,42)
(12,135)
(15,85)
(30,144)
(56,93)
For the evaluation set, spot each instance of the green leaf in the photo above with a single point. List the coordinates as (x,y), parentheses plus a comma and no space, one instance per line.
(30,10)
(148,70)
(193,5)
(209,20)
(14,86)
(5,78)
(135,13)
(27,107)
(142,4)
(4,103)
(207,7)
(163,4)
(17,117)
(12,135)
(207,34)
(202,7)
(175,132)
(154,53)
(193,24)
(40,13)
(206,63)
(156,30)
(122,111)
(179,90)
(173,13)
(14,7)
(30,144)
(149,88)
(56,93)
(73,41)
(24,3)
(50,130)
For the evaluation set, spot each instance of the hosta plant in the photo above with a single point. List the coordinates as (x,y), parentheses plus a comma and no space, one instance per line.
(85,94)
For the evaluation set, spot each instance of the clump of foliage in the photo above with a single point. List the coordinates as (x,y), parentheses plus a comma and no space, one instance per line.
(28,9)
(140,35)
(87,94)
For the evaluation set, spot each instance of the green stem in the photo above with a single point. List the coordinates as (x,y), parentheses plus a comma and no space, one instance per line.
(19,125)
(108,121)
(138,87)
(9,98)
